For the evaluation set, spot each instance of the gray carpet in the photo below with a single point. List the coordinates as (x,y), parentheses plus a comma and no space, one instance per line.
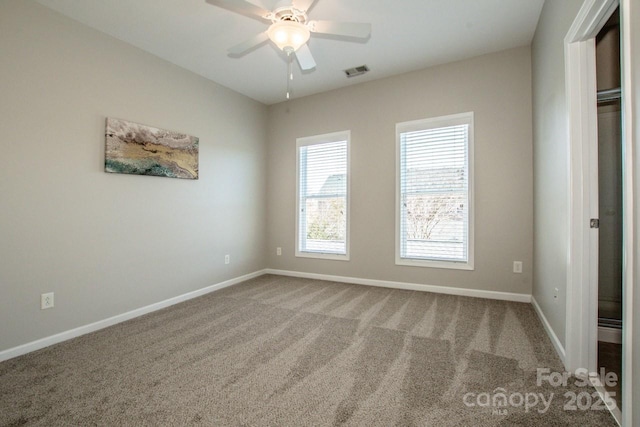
(294,352)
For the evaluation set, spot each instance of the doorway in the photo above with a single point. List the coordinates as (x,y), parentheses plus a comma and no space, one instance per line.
(583,303)
(610,203)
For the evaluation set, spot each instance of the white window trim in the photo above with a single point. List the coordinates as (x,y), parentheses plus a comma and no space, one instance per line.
(314,140)
(435,122)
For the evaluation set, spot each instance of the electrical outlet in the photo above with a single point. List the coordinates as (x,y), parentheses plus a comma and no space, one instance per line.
(46,301)
(517,267)
(556,291)
(278,251)
(227,259)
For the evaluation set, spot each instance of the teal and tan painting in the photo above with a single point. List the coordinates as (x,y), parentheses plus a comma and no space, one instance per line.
(143,150)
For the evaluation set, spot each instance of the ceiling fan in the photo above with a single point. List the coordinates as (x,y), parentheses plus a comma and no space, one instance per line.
(290,28)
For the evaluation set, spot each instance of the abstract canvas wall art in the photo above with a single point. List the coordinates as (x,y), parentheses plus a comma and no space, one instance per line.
(137,149)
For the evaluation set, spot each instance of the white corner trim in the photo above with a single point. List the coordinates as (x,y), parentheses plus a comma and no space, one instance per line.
(611,335)
(101,324)
(547,327)
(503,296)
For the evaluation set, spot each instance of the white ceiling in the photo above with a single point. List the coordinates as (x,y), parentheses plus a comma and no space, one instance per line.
(406,35)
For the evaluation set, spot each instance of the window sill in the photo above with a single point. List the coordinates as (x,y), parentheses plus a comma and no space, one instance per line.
(450,265)
(319,255)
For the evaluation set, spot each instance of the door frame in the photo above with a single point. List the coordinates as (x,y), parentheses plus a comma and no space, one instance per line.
(582,272)
(630,50)
(581,346)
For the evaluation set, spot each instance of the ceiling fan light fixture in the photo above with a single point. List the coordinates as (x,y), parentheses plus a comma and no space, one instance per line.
(288,34)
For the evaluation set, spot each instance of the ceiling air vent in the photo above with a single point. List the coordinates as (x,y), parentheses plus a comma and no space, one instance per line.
(356,71)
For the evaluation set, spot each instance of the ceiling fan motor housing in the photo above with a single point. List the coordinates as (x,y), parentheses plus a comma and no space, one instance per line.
(289,13)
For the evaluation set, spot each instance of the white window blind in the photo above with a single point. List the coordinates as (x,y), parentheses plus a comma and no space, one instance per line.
(323,196)
(434,191)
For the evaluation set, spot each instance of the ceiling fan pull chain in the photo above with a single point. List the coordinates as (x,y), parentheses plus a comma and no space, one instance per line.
(289,73)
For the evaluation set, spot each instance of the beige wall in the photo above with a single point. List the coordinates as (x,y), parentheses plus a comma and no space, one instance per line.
(550,161)
(108,243)
(497,88)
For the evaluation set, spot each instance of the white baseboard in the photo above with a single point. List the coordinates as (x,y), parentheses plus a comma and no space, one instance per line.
(550,332)
(612,335)
(504,296)
(101,324)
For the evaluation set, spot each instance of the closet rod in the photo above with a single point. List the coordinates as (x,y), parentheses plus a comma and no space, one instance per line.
(609,95)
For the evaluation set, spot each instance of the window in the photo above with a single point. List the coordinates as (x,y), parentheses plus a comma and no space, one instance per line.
(323,196)
(434,217)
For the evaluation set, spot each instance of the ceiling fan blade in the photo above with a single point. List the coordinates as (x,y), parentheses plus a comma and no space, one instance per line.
(242,7)
(304,5)
(243,47)
(346,29)
(304,57)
